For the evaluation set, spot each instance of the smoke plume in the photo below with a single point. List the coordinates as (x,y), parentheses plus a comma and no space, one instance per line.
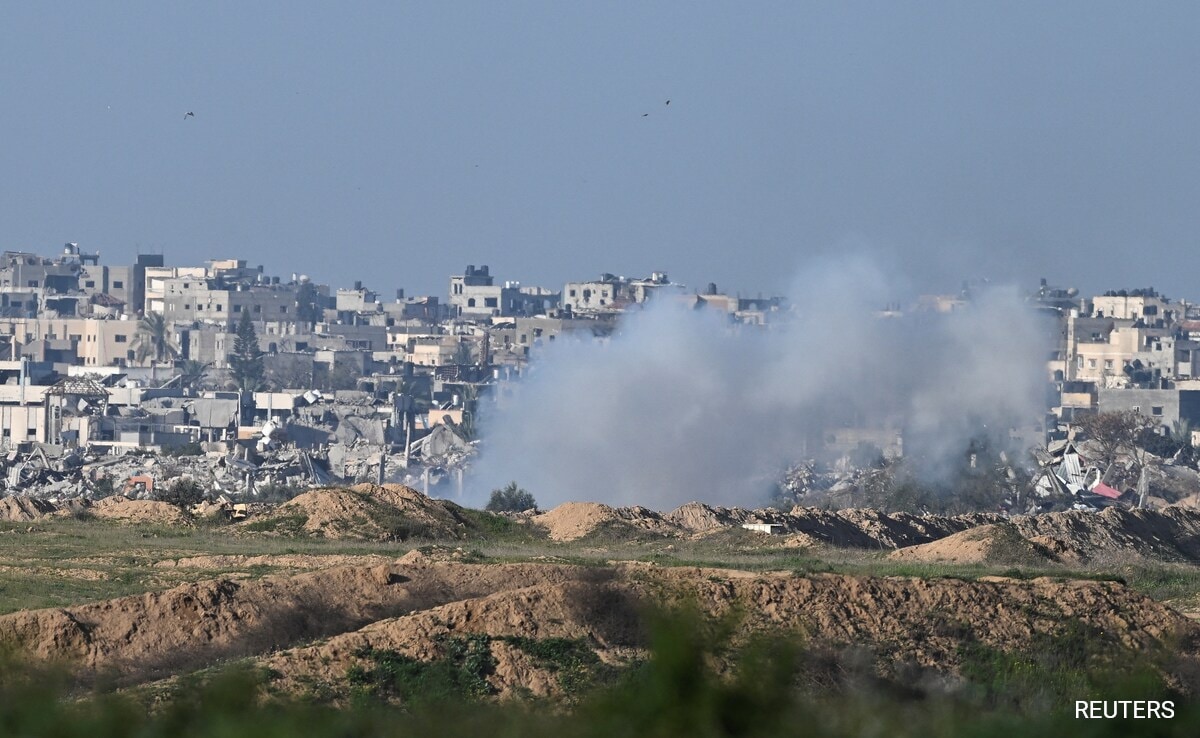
(680,405)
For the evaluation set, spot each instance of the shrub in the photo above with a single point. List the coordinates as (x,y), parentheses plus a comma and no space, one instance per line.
(184,493)
(511,499)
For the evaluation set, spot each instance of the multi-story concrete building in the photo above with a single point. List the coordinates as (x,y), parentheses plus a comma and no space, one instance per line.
(612,293)
(475,294)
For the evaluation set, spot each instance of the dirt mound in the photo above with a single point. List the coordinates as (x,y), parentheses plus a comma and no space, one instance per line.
(23,509)
(423,610)
(366,512)
(1074,537)
(574,520)
(851,528)
(910,620)
(700,518)
(1170,534)
(581,609)
(151,512)
(998,543)
(152,635)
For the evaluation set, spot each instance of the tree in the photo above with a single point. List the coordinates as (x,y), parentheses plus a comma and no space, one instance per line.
(153,339)
(246,362)
(511,499)
(192,373)
(1117,433)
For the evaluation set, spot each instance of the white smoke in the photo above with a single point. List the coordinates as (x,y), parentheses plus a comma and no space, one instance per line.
(679,405)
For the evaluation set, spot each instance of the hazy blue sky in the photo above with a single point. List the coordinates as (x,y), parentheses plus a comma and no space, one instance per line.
(398,142)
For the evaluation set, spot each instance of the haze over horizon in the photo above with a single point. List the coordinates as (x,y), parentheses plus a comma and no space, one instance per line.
(396,144)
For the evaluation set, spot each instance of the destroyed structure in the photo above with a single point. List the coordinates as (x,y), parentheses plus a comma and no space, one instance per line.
(111,373)
(117,373)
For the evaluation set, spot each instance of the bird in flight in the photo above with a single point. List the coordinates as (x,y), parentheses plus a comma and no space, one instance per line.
(644,115)
(668,102)
(189,114)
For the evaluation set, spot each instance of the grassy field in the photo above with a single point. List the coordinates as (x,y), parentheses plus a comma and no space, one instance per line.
(58,562)
(777,688)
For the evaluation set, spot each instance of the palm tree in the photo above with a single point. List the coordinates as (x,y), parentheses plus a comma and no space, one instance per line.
(192,373)
(154,339)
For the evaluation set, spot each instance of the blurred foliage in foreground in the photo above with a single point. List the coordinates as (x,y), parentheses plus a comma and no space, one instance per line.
(694,684)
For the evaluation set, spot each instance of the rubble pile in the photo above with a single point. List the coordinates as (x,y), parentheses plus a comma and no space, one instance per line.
(55,474)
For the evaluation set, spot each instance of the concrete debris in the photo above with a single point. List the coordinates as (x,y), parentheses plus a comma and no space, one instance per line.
(248,469)
(1065,472)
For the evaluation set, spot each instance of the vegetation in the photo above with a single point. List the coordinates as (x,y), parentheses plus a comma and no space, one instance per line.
(186,449)
(183,493)
(284,524)
(511,499)
(461,673)
(573,661)
(153,339)
(696,682)
(1116,433)
(246,361)
(192,373)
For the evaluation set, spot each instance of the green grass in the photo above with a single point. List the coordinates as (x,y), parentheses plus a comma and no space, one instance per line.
(575,665)
(288,525)
(31,563)
(459,674)
(125,555)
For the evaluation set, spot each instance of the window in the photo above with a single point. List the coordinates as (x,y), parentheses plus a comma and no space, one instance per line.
(283,308)
(470,302)
(120,338)
(118,285)
(1091,363)
(572,293)
(220,308)
(1156,411)
(90,283)
(489,302)
(187,307)
(1108,363)
(33,283)
(237,308)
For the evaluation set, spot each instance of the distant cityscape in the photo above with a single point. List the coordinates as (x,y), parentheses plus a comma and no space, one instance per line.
(296,382)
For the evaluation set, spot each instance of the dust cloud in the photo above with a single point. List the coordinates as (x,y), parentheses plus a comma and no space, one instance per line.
(681,405)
